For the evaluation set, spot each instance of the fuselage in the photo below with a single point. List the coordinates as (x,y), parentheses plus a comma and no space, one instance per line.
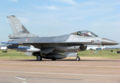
(56,47)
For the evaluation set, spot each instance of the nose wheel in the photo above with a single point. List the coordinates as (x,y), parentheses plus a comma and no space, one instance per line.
(77,58)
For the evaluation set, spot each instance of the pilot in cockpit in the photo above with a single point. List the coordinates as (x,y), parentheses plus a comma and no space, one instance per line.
(85,33)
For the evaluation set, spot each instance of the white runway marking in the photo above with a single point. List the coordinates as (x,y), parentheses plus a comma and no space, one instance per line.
(52,73)
(23,79)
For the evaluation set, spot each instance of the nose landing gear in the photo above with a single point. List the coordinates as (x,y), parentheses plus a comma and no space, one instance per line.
(77,58)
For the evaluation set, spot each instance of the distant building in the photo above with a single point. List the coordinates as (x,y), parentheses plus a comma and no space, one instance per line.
(3,48)
(95,47)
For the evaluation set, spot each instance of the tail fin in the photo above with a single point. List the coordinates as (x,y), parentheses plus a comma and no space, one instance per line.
(19,31)
(16,25)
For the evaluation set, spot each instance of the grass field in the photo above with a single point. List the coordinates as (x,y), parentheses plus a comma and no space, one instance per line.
(100,53)
(12,54)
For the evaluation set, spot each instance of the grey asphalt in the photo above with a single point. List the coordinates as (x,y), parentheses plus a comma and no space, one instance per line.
(85,71)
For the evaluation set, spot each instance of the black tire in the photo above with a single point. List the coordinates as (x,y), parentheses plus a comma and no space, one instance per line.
(53,59)
(39,58)
(77,58)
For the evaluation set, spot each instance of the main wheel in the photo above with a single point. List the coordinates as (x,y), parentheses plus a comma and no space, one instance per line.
(53,59)
(78,58)
(39,58)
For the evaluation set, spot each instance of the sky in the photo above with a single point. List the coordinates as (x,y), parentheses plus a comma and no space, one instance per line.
(58,17)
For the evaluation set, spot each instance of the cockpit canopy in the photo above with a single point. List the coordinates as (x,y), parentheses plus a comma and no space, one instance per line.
(85,33)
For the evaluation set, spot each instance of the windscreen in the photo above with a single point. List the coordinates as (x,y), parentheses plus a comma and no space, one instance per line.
(86,33)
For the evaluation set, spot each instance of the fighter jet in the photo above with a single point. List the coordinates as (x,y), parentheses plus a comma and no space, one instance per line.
(56,47)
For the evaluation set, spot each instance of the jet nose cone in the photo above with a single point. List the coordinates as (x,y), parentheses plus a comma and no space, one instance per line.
(108,42)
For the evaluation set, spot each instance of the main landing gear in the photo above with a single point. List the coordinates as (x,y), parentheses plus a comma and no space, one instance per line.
(53,59)
(39,58)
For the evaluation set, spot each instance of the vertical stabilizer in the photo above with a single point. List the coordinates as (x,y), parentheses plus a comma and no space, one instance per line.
(19,31)
(16,25)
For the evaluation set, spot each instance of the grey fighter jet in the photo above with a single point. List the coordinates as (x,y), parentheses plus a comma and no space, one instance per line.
(57,47)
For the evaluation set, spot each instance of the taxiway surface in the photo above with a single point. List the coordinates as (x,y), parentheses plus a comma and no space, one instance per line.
(85,71)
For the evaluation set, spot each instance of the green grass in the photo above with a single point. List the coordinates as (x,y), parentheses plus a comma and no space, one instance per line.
(12,54)
(100,53)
